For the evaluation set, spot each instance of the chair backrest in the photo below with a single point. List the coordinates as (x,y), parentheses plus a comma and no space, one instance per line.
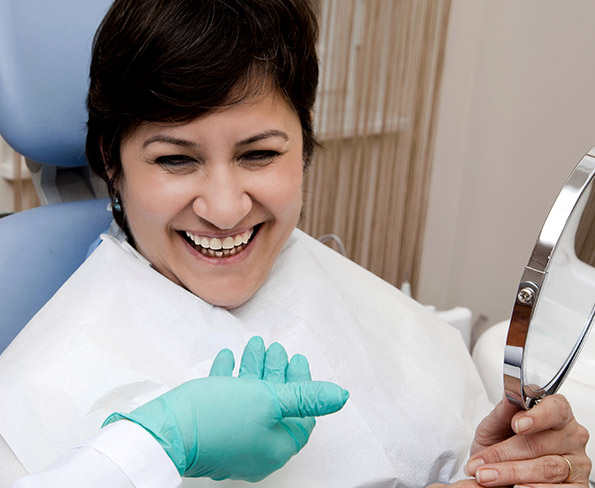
(45,49)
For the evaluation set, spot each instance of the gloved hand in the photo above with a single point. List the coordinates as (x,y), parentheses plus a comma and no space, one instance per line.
(242,427)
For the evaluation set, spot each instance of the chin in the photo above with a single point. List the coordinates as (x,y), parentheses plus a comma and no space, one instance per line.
(226,300)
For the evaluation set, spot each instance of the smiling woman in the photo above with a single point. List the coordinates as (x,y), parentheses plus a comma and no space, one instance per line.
(192,146)
(211,202)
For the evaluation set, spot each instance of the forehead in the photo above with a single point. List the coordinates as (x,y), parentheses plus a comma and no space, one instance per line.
(263,112)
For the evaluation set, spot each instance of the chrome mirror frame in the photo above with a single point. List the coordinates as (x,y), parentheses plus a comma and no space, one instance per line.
(516,388)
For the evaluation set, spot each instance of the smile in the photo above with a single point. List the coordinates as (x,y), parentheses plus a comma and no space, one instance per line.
(220,247)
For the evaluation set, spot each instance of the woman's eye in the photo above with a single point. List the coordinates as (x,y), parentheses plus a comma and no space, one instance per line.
(261,157)
(177,160)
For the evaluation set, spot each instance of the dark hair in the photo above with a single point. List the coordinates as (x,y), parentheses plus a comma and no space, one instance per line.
(175,60)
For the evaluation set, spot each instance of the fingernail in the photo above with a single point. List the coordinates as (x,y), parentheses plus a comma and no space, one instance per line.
(486,475)
(522,424)
(472,466)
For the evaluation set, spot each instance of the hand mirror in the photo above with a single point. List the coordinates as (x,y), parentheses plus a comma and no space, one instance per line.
(554,306)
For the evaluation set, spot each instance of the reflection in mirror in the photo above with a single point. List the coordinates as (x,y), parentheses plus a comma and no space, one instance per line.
(556,297)
(585,234)
(565,302)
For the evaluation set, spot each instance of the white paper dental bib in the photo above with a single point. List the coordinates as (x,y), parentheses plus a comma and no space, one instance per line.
(117,334)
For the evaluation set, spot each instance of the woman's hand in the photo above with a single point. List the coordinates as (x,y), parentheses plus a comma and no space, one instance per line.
(242,427)
(542,446)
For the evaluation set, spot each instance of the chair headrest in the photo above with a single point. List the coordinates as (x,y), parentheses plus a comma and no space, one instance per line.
(45,49)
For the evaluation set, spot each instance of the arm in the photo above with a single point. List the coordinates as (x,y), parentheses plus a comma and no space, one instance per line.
(535,447)
(110,458)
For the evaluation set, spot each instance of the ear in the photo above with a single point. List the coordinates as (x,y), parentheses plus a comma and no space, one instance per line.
(112,178)
(109,172)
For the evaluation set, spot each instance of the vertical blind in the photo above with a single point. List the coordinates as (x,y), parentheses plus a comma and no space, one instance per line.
(381,62)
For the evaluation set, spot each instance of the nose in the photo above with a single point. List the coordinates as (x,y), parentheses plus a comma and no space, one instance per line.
(223,200)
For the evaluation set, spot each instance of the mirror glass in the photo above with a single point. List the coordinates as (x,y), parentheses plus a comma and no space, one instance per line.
(555,301)
(565,305)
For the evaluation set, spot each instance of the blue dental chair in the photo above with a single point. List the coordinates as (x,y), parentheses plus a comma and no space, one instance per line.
(45,50)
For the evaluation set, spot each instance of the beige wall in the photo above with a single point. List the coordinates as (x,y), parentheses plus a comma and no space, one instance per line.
(6,195)
(16,188)
(517,112)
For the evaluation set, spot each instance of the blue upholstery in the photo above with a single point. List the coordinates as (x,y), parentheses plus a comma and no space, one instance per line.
(45,48)
(39,250)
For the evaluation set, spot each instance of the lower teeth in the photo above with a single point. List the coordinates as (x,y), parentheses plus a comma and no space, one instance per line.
(220,254)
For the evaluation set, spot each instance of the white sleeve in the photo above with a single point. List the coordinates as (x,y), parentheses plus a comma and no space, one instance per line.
(121,455)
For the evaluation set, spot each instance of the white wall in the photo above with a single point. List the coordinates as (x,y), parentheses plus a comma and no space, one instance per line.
(517,112)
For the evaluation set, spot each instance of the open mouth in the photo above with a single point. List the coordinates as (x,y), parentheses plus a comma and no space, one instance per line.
(221,247)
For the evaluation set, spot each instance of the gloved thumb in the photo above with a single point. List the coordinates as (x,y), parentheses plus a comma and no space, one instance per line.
(310,398)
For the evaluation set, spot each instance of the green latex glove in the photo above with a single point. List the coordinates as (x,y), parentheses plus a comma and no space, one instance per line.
(242,427)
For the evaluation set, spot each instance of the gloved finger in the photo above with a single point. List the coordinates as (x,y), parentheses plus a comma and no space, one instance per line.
(298,369)
(275,363)
(310,398)
(299,429)
(223,364)
(252,363)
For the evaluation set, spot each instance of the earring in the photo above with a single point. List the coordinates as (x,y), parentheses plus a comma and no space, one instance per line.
(117,205)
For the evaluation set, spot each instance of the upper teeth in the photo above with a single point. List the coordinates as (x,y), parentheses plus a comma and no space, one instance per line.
(217,243)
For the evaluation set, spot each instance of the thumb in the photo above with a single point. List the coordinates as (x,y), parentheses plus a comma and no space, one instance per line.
(310,398)
(496,427)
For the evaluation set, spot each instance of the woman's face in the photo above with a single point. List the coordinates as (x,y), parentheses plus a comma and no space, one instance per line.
(210,203)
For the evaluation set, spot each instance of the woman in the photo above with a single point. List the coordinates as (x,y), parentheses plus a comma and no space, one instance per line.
(200,122)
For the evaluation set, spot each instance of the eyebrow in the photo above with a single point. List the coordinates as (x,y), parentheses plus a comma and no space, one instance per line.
(263,135)
(168,140)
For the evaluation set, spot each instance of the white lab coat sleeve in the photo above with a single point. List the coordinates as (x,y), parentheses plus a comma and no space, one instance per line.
(121,455)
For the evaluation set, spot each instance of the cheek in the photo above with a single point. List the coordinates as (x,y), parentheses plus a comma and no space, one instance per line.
(150,199)
(288,187)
